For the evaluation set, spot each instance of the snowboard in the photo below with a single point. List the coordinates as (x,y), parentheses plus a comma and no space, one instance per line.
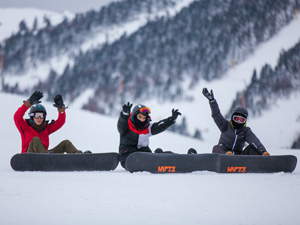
(64,162)
(186,163)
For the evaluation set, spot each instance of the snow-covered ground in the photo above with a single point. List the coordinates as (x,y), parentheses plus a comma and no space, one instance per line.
(120,197)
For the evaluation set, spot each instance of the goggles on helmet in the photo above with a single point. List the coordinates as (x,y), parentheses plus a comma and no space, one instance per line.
(37,115)
(145,110)
(239,119)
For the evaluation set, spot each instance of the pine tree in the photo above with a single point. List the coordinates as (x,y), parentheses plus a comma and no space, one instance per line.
(23,27)
(35,24)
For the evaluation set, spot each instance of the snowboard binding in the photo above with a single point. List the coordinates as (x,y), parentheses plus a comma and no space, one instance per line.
(192,151)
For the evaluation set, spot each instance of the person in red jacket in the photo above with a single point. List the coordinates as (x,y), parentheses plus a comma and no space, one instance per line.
(36,130)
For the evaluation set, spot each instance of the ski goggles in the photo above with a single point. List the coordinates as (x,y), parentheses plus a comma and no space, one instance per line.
(37,115)
(145,110)
(239,119)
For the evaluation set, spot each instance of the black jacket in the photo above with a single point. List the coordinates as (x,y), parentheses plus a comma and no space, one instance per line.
(233,139)
(132,140)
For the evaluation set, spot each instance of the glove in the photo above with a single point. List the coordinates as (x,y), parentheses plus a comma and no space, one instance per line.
(209,96)
(126,109)
(59,102)
(35,97)
(175,114)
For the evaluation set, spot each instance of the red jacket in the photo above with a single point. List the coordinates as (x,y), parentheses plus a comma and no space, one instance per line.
(28,132)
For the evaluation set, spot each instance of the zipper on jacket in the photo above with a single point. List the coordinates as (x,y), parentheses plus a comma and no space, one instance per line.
(234,142)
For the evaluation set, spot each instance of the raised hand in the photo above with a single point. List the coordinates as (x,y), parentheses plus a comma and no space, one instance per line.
(175,114)
(35,97)
(59,102)
(209,96)
(127,108)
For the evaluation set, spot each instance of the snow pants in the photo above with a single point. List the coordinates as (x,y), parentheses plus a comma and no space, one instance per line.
(123,154)
(36,146)
(249,150)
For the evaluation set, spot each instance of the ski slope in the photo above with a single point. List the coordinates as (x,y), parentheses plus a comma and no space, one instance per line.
(119,197)
(236,80)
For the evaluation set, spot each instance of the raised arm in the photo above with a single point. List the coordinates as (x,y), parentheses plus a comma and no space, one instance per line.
(162,125)
(123,118)
(216,114)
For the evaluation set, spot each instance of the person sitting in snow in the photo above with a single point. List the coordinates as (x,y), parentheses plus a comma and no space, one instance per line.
(135,129)
(234,133)
(36,130)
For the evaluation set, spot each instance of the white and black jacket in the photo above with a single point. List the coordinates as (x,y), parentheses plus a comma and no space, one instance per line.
(132,140)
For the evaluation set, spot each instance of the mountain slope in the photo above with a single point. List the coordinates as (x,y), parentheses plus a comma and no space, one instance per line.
(198,43)
(120,197)
(86,30)
(10,19)
(93,79)
(271,84)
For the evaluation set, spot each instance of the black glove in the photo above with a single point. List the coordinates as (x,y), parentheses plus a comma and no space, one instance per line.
(209,96)
(175,114)
(127,108)
(59,102)
(35,97)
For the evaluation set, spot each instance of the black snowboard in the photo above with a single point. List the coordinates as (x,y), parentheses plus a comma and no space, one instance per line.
(256,164)
(185,163)
(64,162)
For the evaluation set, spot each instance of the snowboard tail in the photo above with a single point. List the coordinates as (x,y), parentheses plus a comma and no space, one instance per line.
(186,163)
(256,164)
(64,162)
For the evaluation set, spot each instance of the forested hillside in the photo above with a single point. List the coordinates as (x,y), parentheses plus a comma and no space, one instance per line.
(172,51)
(202,41)
(271,84)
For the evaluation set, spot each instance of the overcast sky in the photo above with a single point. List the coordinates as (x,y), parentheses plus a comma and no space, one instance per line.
(74,6)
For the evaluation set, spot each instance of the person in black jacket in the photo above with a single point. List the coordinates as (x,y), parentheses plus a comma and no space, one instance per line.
(234,133)
(135,129)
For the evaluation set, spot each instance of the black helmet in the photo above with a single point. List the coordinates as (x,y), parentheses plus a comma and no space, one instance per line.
(240,111)
(239,117)
(37,108)
(141,109)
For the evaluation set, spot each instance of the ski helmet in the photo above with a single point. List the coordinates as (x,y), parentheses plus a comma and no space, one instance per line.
(239,117)
(37,108)
(141,109)
(240,111)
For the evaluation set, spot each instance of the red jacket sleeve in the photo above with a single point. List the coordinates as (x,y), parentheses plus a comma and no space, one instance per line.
(58,123)
(19,120)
